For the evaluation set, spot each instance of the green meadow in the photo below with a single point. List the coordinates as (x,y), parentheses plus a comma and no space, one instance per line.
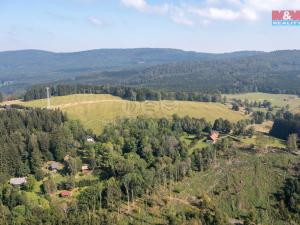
(278,100)
(96,110)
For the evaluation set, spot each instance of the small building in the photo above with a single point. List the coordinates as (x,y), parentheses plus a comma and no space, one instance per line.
(18,181)
(90,140)
(65,194)
(85,168)
(54,166)
(214,136)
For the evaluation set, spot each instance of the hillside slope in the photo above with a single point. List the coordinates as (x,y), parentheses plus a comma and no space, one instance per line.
(97,110)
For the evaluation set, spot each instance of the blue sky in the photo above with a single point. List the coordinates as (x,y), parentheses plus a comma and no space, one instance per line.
(198,25)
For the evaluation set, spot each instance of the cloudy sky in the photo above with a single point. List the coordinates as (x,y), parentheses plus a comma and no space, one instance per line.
(198,25)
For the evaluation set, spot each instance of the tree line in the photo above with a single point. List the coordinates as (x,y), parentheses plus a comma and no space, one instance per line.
(286,125)
(128,93)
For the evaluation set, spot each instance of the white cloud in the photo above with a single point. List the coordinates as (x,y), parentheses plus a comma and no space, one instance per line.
(249,14)
(225,14)
(143,6)
(215,13)
(137,4)
(97,22)
(190,14)
(268,5)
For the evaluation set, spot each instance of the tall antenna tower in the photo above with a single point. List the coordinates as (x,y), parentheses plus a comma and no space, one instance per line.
(48,98)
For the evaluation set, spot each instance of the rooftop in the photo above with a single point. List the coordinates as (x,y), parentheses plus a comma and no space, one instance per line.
(18,181)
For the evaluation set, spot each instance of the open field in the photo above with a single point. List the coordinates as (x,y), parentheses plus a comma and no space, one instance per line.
(265,127)
(94,111)
(266,141)
(278,100)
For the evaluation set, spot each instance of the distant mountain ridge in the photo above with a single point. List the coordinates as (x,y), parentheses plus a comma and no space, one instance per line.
(20,69)
(275,72)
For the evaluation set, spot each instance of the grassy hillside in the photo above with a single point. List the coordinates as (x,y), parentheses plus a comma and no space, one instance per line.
(278,100)
(94,111)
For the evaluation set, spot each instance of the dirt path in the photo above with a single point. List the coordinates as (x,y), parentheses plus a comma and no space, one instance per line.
(85,103)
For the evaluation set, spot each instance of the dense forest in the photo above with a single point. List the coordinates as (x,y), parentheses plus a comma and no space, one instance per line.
(286,125)
(275,72)
(172,70)
(21,69)
(130,159)
(30,137)
(128,93)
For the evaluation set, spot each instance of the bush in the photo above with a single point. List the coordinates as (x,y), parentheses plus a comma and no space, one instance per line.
(39,175)
(86,182)
(66,185)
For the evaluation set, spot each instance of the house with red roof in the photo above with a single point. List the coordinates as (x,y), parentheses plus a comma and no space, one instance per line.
(65,194)
(214,136)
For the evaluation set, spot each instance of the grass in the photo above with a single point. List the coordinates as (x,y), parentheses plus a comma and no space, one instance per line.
(95,111)
(37,187)
(278,100)
(80,176)
(193,143)
(36,200)
(265,127)
(268,141)
(199,145)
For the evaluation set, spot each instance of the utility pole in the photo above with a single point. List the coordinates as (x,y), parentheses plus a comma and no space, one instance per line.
(48,98)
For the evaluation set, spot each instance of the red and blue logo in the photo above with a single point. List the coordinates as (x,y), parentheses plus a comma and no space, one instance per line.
(286,17)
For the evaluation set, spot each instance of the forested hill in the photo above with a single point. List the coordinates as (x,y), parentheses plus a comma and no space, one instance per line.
(168,69)
(20,69)
(275,72)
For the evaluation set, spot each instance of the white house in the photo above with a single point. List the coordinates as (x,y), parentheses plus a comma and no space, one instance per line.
(90,139)
(85,168)
(18,181)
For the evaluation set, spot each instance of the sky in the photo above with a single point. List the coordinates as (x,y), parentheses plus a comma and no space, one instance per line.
(195,25)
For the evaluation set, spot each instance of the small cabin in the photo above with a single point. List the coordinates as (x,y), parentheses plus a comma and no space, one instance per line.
(54,166)
(214,136)
(90,140)
(65,194)
(85,168)
(18,181)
